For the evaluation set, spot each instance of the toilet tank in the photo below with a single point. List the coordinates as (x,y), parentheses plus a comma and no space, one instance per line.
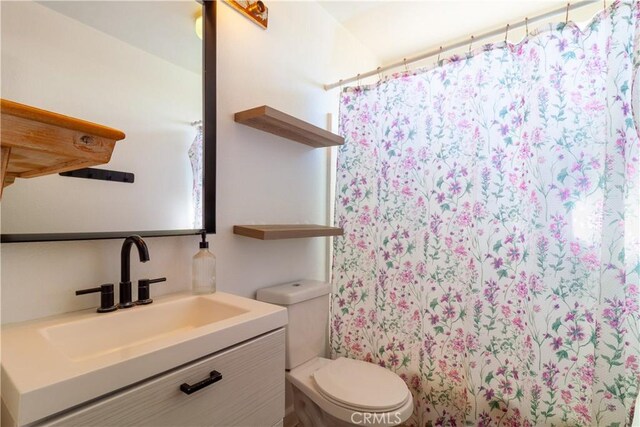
(307,303)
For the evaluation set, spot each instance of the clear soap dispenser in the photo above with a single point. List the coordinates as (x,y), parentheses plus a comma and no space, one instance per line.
(204,269)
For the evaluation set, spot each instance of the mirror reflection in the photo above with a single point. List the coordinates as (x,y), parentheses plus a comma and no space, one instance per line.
(133,66)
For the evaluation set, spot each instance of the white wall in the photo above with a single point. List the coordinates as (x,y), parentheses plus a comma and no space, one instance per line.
(261,178)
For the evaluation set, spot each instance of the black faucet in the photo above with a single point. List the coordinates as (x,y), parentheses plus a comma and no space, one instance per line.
(125,271)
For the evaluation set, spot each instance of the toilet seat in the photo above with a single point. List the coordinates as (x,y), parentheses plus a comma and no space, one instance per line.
(359,385)
(360,409)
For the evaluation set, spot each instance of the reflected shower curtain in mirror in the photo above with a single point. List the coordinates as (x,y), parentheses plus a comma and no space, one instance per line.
(491,254)
(197,161)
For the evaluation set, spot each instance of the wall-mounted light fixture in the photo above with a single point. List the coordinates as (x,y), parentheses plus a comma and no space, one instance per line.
(256,11)
(198,19)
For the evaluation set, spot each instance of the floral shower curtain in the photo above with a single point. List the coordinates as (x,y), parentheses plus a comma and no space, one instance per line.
(491,254)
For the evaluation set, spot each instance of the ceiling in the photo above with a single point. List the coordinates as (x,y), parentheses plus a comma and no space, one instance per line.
(395,29)
(163,28)
(389,29)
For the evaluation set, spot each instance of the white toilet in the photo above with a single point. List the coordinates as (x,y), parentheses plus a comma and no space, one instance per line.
(332,393)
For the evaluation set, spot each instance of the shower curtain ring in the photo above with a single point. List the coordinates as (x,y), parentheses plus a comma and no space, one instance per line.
(470,44)
(566,19)
(526,25)
(358,79)
(506,33)
(439,53)
(380,76)
(406,69)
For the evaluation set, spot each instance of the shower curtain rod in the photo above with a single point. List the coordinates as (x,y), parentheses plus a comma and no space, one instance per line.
(464,42)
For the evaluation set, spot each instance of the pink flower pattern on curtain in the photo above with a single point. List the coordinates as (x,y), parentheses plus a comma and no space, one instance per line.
(491,254)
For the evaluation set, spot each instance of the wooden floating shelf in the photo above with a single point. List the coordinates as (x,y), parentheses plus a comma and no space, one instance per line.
(37,142)
(286,231)
(278,123)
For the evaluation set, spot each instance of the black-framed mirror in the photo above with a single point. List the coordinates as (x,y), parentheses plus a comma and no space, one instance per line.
(176,122)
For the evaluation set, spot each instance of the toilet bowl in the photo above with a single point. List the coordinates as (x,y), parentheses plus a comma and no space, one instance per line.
(347,392)
(332,393)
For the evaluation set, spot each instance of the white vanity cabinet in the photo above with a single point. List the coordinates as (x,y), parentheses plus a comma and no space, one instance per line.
(250,393)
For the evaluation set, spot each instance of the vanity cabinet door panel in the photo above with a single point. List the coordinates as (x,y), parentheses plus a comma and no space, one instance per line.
(250,393)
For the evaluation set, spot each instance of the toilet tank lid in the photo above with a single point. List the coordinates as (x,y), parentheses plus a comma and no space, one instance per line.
(294,292)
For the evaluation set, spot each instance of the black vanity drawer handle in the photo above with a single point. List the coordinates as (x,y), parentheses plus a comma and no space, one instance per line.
(214,377)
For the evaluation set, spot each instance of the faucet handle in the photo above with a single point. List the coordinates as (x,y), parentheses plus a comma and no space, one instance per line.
(143,290)
(106,297)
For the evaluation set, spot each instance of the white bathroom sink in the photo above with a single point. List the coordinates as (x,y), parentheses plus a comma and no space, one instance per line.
(121,330)
(51,364)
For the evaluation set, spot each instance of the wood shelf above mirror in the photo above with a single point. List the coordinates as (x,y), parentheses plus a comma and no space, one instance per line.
(276,122)
(37,142)
(286,231)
